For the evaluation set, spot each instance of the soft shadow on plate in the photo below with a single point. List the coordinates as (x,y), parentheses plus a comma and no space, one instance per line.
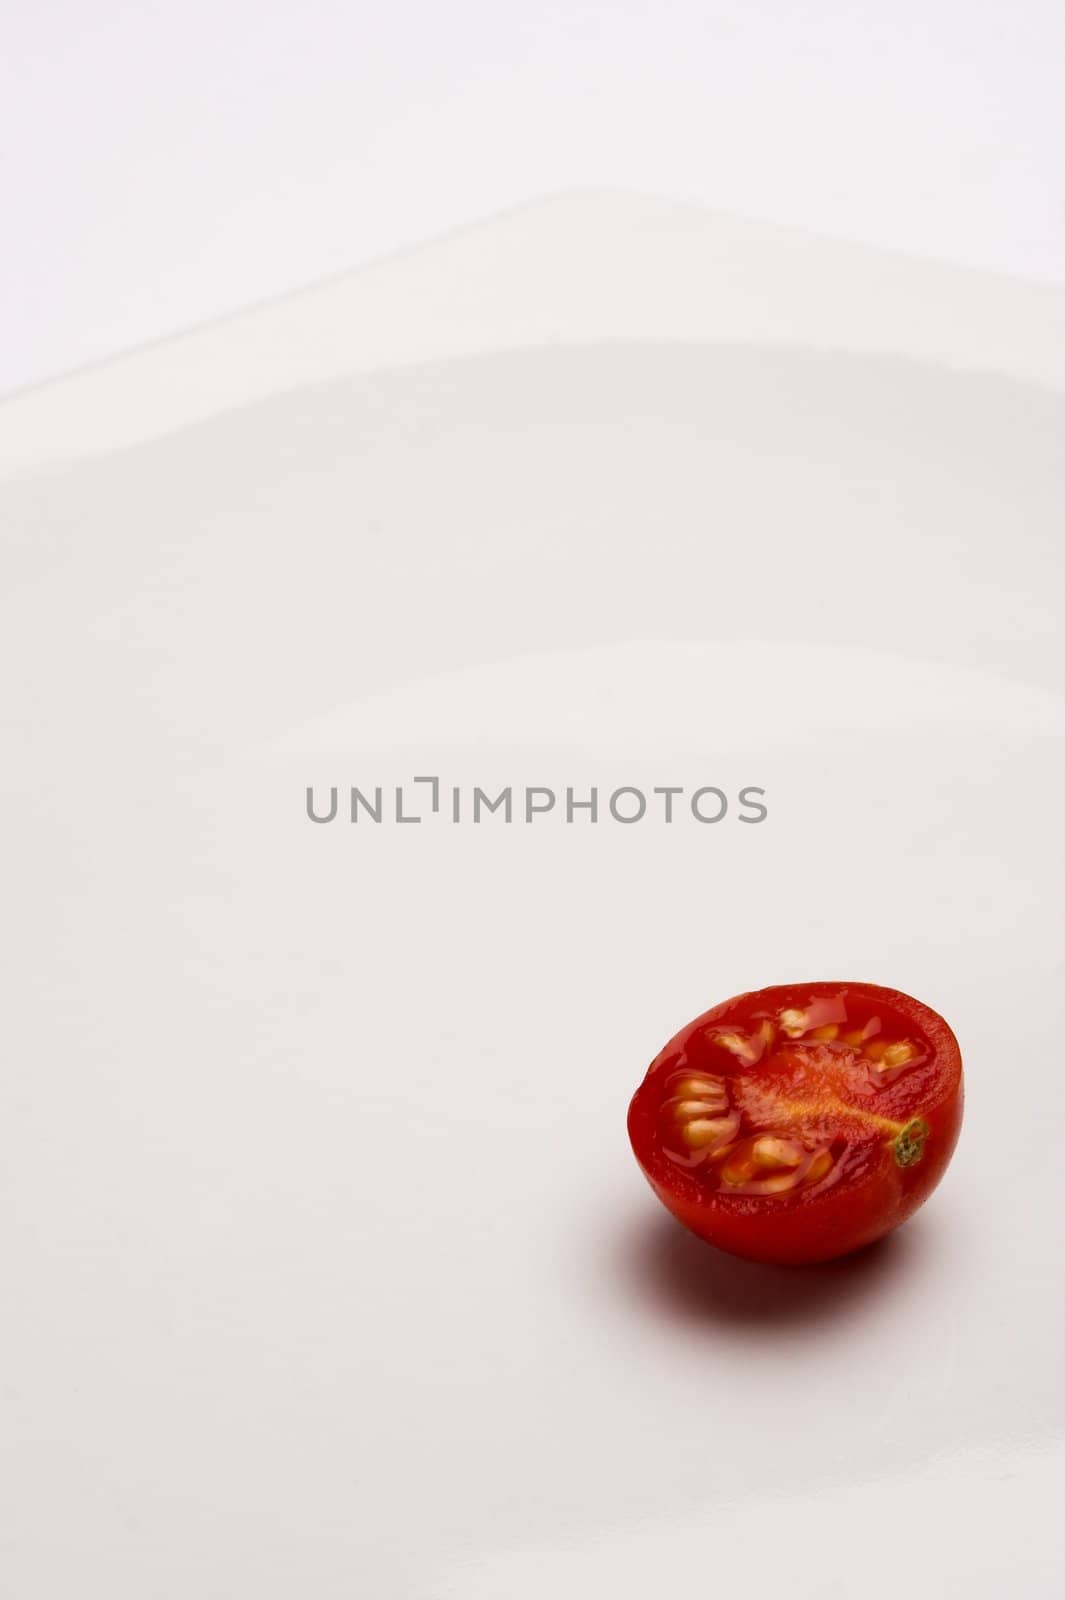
(689,1280)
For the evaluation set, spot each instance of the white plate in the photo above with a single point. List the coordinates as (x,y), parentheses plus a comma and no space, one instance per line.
(329,1270)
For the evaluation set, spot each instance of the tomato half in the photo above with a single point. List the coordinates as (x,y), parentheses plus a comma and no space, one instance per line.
(801,1122)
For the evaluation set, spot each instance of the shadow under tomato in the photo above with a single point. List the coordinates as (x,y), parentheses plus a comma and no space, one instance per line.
(691,1280)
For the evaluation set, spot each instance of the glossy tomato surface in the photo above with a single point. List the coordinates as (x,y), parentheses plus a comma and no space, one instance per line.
(800,1122)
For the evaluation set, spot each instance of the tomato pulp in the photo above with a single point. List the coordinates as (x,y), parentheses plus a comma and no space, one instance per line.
(800,1122)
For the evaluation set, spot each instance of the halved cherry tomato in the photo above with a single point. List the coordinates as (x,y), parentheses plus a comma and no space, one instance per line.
(801,1122)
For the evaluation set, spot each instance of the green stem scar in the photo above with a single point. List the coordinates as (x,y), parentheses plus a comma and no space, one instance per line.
(908,1145)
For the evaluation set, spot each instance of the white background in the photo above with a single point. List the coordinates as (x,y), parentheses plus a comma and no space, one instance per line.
(164,164)
(328,1272)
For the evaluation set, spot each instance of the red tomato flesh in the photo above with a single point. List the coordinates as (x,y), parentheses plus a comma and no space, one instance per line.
(801,1122)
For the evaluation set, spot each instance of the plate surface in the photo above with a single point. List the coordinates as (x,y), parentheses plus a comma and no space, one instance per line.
(329,1269)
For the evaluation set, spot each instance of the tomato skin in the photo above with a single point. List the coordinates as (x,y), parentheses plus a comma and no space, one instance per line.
(873,1197)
